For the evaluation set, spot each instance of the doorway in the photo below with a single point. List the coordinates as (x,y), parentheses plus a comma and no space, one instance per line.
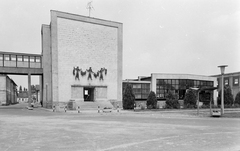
(182,94)
(88,93)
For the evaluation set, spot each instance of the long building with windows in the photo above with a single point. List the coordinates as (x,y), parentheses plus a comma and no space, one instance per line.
(161,84)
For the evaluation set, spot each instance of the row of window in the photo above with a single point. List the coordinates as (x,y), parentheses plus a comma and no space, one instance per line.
(181,83)
(178,86)
(163,86)
(140,90)
(235,81)
(8,57)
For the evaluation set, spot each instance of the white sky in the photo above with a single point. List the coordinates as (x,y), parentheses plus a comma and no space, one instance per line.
(159,36)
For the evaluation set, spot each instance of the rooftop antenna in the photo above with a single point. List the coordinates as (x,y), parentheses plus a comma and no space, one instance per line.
(90,7)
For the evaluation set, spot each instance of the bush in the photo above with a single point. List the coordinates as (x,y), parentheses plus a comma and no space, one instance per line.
(228,97)
(128,97)
(237,99)
(142,107)
(228,106)
(205,106)
(172,101)
(237,105)
(190,99)
(152,101)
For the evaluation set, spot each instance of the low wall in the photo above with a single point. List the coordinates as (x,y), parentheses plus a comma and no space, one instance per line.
(142,104)
(160,104)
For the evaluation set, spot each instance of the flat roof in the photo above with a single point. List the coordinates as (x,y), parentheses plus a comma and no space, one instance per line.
(82,18)
(227,74)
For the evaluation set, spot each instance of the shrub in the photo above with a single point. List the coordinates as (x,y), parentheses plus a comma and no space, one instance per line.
(236,105)
(142,107)
(228,97)
(128,97)
(190,99)
(152,101)
(215,106)
(205,106)
(172,101)
(237,99)
(228,106)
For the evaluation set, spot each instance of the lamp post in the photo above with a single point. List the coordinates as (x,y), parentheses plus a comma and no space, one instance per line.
(222,68)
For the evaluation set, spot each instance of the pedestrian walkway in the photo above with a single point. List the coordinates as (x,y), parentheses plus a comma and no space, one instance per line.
(120,110)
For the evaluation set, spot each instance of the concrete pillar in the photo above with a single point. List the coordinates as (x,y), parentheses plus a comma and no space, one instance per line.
(29,90)
(47,94)
(41,88)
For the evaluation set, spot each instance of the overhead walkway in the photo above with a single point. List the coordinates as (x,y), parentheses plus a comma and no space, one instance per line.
(20,63)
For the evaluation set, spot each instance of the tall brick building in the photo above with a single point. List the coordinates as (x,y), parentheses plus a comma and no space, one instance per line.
(82,60)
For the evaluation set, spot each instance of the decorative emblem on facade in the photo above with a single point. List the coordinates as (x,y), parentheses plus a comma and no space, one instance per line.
(77,71)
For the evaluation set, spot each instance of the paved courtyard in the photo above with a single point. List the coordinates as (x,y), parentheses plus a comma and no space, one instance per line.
(41,130)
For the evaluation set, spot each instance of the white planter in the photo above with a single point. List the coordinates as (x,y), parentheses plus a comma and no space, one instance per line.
(216,113)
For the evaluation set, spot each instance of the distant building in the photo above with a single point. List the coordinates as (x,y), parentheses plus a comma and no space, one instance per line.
(23,96)
(161,84)
(230,79)
(8,90)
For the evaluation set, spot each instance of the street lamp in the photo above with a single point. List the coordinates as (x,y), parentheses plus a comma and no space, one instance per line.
(222,68)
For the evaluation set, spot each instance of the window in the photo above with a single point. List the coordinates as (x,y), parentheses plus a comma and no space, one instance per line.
(182,84)
(235,81)
(13,57)
(209,83)
(203,83)
(1,57)
(136,85)
(140,90)
(6,57)
(196,83)
(38,59)
(32,59)
(25,58)
(19,58)
(190,83)
(145,90)
(178,86)
(226,81)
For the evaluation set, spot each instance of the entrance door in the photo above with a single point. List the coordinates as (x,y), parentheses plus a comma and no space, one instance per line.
(88,94)
(182,94)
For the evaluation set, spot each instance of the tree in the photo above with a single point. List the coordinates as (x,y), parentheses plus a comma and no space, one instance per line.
(190,99)
(128,97)
(172,101)
(237,99)
(20,89)
(152,101)
(228,96)
(33,88)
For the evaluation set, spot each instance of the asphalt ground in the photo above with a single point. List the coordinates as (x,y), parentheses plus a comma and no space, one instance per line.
(42,130)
